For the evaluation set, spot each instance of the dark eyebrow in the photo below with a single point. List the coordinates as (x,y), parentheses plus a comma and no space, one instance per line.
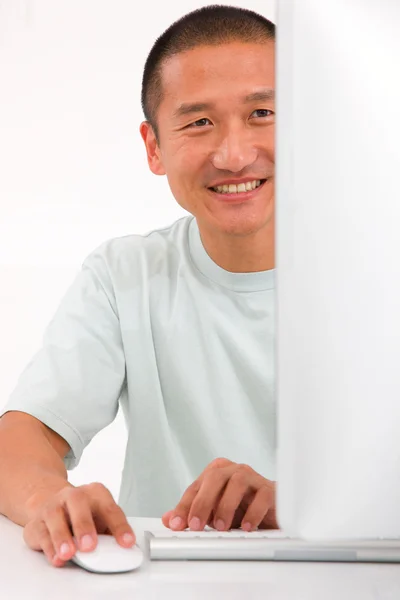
(188,108)
(267,94)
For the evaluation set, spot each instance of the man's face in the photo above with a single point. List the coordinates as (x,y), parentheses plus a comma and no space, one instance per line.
(216,127)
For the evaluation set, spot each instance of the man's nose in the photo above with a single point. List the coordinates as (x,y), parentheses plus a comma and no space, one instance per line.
(235,151)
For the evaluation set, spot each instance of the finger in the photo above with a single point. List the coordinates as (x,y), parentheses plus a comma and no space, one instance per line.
(207,497)
(178,518)
(270,520)
(166,518)
(262,502)
(237,519)
(234,492)
(211,518)
(37,537)
(107,511)
(57,528)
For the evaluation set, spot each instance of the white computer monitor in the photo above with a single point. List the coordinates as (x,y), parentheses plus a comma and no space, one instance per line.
(338,268)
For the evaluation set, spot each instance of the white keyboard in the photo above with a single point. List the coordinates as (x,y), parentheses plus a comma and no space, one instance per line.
(263,545)
(211,544)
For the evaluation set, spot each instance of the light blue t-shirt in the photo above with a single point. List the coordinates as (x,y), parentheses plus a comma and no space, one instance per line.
(186,348)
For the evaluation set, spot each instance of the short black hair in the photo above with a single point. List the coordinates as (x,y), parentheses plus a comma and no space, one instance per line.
(207,26)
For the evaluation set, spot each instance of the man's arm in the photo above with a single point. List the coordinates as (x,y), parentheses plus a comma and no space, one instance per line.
(31,465)
(58,517)
(35,493)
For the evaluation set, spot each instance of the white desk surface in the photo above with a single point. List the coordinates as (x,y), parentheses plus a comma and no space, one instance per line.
(25,574)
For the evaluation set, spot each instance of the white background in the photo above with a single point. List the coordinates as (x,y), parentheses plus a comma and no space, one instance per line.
(73,168)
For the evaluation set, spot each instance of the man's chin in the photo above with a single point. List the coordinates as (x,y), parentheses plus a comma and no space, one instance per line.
(239,222)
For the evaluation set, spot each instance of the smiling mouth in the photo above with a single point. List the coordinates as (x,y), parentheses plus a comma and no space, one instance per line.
(241,188)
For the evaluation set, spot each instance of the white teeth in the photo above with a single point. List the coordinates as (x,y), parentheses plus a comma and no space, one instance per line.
(235,189)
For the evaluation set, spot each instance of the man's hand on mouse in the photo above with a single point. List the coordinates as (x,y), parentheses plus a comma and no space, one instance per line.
(225,496)
(76,512)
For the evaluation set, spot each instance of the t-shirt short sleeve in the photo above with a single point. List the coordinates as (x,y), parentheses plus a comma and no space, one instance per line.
(74,382)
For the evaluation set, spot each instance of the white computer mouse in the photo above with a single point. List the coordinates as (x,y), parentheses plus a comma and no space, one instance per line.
(109,557)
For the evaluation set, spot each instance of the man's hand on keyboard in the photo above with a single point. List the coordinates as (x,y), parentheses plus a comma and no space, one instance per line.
(226,495)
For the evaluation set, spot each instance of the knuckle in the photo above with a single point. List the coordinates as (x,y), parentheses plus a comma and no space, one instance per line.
(37,537)
(243,468)
(111,509)
(108,509)
(49,511)
(82,526)
(60,534)
(202,506)
(193,487)
(45,542)
(96,487)
(76,492)
(183,506)
(198,506)
(47,546)
(213,477)
(255,511)
(187,498)
(262,504)
(72,495)
(239,478)
(267,493)
(48,549)
(224,511)
(228,504)
(219,462)
(66,491)
(31,533)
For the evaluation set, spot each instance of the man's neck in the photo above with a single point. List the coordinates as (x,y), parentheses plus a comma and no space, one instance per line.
(242,254)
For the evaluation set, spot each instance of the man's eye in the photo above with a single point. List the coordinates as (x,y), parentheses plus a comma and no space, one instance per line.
(262,112)
(199,122)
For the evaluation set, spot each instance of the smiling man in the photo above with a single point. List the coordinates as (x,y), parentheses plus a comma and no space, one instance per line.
(176,326)
(212,133)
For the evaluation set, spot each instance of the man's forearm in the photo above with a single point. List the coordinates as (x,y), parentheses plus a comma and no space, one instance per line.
(31,472)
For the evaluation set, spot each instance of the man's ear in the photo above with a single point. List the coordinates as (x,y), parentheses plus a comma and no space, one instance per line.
(152,149)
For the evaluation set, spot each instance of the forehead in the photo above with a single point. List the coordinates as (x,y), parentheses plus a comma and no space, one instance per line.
(214,70)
